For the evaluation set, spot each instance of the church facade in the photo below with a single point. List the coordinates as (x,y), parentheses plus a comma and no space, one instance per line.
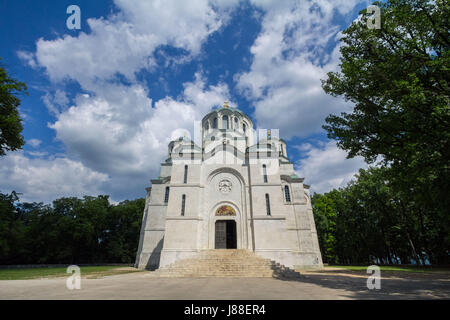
(231,190)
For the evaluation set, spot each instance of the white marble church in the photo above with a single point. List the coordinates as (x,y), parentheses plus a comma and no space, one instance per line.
(232,190)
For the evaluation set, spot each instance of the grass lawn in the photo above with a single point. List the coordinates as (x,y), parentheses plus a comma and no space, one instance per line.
(87,271)
(394,268)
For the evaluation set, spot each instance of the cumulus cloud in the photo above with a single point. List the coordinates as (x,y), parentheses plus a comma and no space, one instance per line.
(57,102)
(121,132)
(290,57)
(43,180)
(124,42)
(115,128)
(115,135)
(326,166)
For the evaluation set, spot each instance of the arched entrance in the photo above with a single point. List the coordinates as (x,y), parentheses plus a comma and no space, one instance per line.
(225,235)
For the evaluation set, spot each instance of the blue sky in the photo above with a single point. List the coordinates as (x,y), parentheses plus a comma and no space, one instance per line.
(105,100)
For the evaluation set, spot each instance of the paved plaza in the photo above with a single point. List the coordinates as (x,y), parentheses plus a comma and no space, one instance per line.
(318,285)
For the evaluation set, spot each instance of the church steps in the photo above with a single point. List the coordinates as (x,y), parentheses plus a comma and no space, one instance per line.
(225,263)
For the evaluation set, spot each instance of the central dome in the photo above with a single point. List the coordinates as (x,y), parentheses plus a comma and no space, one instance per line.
(227,118)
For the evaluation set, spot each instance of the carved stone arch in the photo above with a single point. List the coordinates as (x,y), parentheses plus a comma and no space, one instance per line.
(232,171)
(237,217)
(235,198)
(307,199)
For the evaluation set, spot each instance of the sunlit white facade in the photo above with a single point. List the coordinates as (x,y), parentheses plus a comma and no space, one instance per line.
(235,190)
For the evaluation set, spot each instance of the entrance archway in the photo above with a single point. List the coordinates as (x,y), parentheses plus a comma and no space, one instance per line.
(225,235)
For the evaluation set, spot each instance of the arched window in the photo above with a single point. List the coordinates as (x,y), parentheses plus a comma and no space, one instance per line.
(183,204)
(267,204)
(236,125)
(207,126)
(287,194)
(215,123)
(185,173)
(265,173)
(244,127)
(166,195)
(225,122)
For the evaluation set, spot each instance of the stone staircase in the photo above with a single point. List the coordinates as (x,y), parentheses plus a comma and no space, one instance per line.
(226,263)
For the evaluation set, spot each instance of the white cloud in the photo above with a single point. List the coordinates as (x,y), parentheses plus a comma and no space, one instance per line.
(34,142)
(43,180)
(124,43)
(116,135)
(37,153)
(116,131)
(290,57)
(57,102)
(326,167)
(28,58)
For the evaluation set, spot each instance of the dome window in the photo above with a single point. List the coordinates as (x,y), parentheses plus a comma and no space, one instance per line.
(225,124)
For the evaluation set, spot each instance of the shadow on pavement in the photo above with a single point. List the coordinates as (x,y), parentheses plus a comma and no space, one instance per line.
(393,285)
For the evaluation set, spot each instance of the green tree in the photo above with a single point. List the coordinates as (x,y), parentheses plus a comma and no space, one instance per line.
(71,230)
(368,222)
(124,224)
(398,79)
(10,122)
(325,216)
(11,229)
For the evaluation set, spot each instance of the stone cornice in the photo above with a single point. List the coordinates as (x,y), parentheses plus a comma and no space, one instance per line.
(161,180)
(183,218)
(291,179)
(268,218)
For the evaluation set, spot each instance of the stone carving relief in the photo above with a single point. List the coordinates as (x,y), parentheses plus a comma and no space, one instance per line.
(225,186)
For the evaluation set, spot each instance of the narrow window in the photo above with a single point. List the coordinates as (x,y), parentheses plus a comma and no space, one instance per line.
(265,173)
(215,123)
(166,196)
(267,204)
(236,126)
(207,126)
(183,204)
(287,195)
(244,127)
(225,122)
(185,173)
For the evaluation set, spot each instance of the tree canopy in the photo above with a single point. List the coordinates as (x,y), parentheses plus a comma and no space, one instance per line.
(368,222)
(10,122)
(398,79)
(71,230)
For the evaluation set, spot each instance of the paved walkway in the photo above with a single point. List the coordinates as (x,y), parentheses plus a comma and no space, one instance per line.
(140,285)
